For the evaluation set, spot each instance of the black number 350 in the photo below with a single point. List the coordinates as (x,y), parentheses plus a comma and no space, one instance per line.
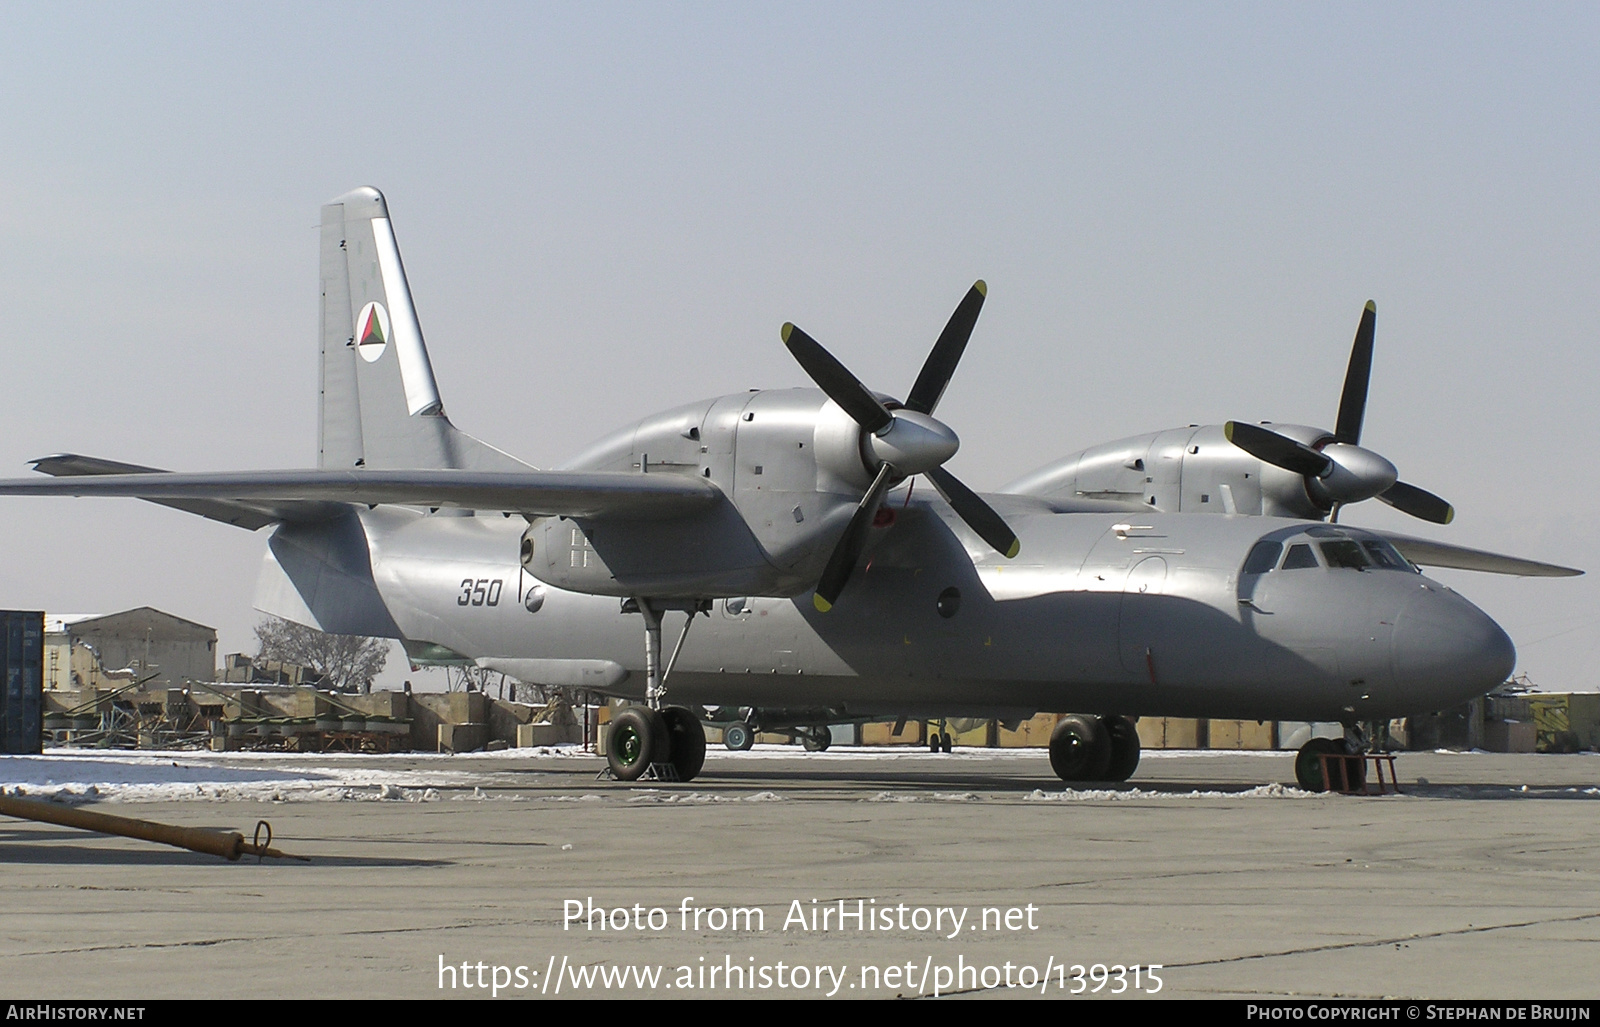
(482,592)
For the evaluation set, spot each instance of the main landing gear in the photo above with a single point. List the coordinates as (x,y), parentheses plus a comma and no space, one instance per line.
(665,741)
(1087,748)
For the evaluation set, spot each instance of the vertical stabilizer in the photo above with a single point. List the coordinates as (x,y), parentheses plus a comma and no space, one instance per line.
(380,405)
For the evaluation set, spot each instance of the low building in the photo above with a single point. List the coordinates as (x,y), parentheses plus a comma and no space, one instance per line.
(109,650)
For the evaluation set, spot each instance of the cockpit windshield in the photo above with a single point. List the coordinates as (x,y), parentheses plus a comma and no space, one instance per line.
(1339,551)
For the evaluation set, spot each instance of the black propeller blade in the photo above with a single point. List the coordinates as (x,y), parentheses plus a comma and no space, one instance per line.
(841,386)
(1338,471)
(851,543)
(946,353)
(910,438)
(1418,503)
(980,516)
(1277,450)
(1353,401)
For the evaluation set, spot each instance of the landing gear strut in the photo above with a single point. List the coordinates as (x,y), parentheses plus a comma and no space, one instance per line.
(666,740)
(1085,748)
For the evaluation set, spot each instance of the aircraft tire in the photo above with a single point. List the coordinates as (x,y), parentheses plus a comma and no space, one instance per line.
(816,739)
(1080,749)
(1308,762)
(945,742)
(636,738)
(738,737)
(687,742)
(1124,748)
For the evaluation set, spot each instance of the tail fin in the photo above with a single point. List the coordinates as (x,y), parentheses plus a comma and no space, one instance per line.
(380,405)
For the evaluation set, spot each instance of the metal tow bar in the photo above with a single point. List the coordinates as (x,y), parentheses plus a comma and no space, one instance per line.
(230,845)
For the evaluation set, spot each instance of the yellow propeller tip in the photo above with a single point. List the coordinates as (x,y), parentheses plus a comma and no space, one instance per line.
(1016,547)
(1372,308)
(1449,514)
(983,289)
(822,605)
(787,328)
(1227,431)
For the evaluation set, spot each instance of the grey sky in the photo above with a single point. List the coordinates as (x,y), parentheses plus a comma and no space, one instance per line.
(610,209)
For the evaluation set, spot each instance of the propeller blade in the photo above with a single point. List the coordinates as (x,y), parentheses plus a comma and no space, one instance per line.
(980,516)
(854,539)
(946,353)
(1418,503)
(841,386)
(1353,401)
(1277,450)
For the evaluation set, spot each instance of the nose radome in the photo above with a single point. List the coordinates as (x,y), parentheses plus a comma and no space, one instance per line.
(1446,650)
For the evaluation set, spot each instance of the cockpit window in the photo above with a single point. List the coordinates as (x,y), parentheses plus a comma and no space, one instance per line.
(1384,555)
(1300,557)
(1345,553)
(1263,557)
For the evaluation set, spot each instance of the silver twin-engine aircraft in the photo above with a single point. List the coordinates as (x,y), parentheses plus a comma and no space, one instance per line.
(782,526)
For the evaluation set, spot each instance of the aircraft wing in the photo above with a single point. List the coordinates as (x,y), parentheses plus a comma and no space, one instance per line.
(237,496)
(249,516)
(1428,553)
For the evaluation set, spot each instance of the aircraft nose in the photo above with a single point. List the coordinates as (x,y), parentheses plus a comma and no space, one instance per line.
(1446,650)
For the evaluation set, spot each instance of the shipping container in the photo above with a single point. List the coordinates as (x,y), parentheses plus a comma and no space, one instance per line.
(22,664)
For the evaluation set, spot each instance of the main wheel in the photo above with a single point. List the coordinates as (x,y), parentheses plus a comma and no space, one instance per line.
(738,737)
(945,742)
(1308,762)
(636,738)
(1124,748)
(816,739)
(1080,749)
(687,742)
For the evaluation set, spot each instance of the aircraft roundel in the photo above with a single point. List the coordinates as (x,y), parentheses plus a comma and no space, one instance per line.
(372,331)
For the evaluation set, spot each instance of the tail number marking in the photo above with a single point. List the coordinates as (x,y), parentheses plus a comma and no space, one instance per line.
(480,592)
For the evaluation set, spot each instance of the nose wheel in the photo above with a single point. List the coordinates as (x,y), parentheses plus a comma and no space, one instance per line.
(1346,774)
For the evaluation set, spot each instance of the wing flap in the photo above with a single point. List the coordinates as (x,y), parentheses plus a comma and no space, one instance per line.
(292,495)
(1430,553)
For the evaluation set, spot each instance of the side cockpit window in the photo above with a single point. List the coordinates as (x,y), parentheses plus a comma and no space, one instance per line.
(1384,555)
(1263,557)
(1300,557)
(1345,553)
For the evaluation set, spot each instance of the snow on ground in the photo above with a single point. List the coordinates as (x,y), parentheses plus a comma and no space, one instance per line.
(120,776)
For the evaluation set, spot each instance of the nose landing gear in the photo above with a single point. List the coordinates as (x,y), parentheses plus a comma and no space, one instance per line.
(1346,774)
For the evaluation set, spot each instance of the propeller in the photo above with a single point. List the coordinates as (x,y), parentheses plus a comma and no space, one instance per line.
(1338,470)
(905,440)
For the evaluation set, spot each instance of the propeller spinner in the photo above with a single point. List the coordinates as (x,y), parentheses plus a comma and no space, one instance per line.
(1338,470)
(906,440)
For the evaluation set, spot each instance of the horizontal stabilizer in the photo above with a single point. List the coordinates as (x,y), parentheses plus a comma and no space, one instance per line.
(589,494)
(1429,553)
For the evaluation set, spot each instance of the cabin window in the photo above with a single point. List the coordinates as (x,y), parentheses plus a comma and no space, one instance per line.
(1300,557)
(1263,557)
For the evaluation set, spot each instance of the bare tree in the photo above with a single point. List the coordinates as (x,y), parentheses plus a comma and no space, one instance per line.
(347,663)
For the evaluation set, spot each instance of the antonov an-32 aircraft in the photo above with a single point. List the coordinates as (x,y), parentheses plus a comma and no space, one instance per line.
(783,527)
